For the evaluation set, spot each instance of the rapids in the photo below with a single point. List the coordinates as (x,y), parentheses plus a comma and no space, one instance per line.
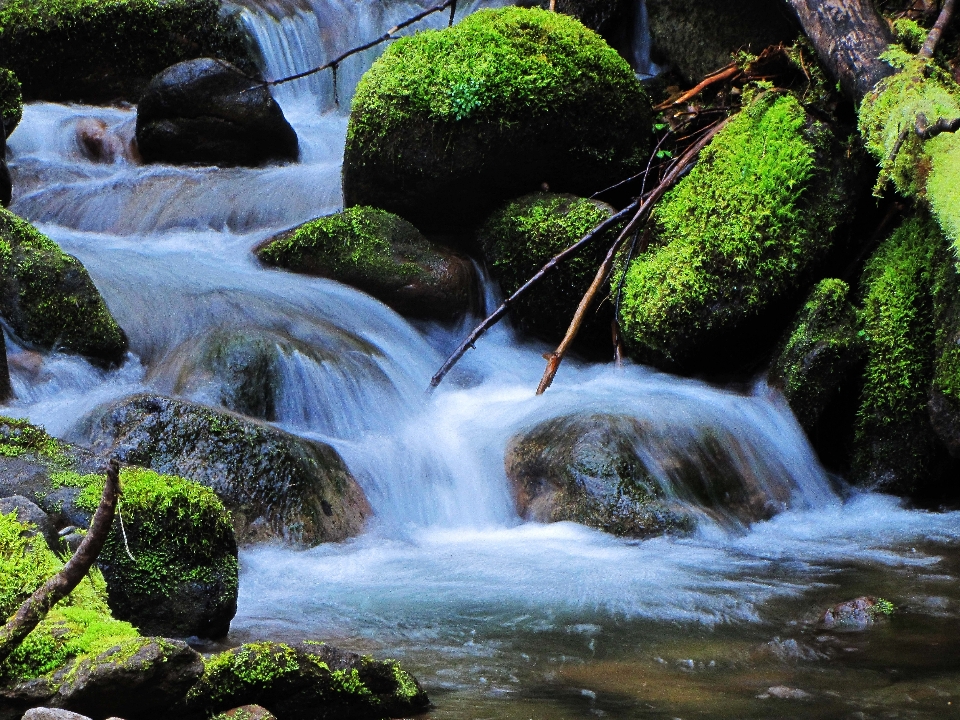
(498,618)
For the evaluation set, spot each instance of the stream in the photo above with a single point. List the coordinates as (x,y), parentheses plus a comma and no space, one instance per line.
(498,618)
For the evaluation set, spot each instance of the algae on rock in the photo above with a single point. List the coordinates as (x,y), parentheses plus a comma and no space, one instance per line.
(447,124)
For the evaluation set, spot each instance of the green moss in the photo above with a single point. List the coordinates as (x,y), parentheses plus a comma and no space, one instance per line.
(738,233)
(19,437)
(823,344)
(946,301)
(909,34)
(893,438)
(248,668)
(11,100)
(883,607)
(99,50)
(49,299)
(521,236)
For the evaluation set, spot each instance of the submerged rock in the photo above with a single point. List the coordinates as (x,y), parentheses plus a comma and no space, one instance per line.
(49,300)
(307,681)
(447,124)
(736,241)
(246,712)
(206,111)
(383,255)
(524,234)
(856,615)
(275,484)
(94,52)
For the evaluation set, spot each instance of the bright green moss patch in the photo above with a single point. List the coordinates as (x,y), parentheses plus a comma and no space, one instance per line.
(49,299)
(738,233)
(19,436)
(893,438)
(524,234)
(823,344)
(98,50)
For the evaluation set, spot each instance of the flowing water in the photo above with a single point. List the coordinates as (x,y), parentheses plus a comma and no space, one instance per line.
(497,617)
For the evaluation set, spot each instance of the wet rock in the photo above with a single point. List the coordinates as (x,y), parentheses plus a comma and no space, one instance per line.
(594,14)
(699,36)
(246,712)
(587,469)
(856,615)
(943,404)
(782,692)
(307,681)
(524,234)
(52,714)
(208,112)
(525,97)
(49,300)
(101,52)
(29,512)
(275,484)
(383,255)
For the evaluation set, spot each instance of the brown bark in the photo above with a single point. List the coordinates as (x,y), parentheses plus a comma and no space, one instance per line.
(849,37)
(937,30)
(35,608)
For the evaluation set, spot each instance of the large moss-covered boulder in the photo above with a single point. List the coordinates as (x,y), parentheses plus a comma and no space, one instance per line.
(944,402)
(822,347)
(48,298)
(521,236)
(735,242)
(447,124)
(206,111)
(102,50)
(276,485)
(383,255)
(696,37)
(307,681)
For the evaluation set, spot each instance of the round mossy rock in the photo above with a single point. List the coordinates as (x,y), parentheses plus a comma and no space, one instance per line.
(447,124)
(735,242)
(11,100)
(48,298)
(383,255)
(524,234)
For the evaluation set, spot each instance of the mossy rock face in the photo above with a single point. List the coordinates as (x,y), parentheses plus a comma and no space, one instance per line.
(307,681)
(822,348)
(49,300)
(524,234)
(103,50)
(276,485)
(586,469)
(697,37)
(895,445)
(735,242)
(449,123)
(383,255)
(11,100)
(944,402)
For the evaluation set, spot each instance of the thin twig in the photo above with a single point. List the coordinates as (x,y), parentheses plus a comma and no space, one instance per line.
(684,162)
(925,131)
(937,30)
(35,608)
(726,73)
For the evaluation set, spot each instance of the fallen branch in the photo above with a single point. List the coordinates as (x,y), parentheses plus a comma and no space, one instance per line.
(497,314)
(35,608)
(925,131)
(676,172)
(725,73)
(937,30)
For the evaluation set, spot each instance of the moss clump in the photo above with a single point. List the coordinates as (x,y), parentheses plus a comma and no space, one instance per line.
(18,436)
(99,50)
(824,344)
(448,123)
(736,236)
(11,100)
(48,298)
(894,442)
(926,169)
(182,544)
(521,236)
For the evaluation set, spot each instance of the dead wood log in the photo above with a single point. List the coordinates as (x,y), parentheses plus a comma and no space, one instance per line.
(35,608)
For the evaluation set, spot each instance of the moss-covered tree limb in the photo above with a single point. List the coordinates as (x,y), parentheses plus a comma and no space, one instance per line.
(33,610)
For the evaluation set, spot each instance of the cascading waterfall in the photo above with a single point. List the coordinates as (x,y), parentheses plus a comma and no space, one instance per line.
(446,554)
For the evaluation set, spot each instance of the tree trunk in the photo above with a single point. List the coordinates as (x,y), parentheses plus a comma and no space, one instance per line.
(849,37)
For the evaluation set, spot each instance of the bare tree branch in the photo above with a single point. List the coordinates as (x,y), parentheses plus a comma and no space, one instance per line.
(937,30)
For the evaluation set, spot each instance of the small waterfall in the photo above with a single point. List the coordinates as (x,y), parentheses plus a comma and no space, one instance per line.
(641,43)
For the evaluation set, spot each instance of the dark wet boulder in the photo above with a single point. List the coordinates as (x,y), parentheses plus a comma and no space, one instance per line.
(588,469)
(206,111)
(92,51)
(49,300)
(11,101)
(522,235)
(276,485)
(246,712)
(696,37)
(448,124)
(307,681)
(822,347)
(383,255)
(735,242)
(598,15)
(856,615)
(944,396)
